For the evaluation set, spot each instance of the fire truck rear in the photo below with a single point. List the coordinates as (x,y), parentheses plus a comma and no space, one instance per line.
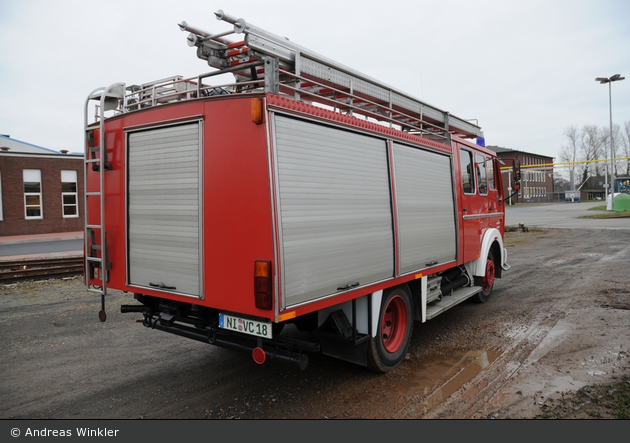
(300,192)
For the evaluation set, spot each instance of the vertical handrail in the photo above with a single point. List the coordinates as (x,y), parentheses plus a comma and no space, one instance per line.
(102,155)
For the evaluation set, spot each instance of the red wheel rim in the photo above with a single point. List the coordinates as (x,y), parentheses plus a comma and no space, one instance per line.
(394,324)
(488,279)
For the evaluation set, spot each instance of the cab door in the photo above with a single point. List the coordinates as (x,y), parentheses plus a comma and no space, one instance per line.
(495,207)
(480,196)
(485,206)
(473,206)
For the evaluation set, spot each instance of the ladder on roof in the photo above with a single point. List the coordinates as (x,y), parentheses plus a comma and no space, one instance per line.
(97,264)
(288,68)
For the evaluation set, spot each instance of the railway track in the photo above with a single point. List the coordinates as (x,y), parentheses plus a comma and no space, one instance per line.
(41,268)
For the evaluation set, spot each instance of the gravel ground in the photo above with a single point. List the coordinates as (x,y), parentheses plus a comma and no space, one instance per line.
(552,342)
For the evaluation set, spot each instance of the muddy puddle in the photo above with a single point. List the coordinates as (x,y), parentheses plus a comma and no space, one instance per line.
(434,377)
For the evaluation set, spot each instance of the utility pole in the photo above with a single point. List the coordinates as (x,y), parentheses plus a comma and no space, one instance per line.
(602,80)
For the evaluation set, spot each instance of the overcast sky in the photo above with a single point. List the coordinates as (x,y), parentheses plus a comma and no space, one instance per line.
(524,69)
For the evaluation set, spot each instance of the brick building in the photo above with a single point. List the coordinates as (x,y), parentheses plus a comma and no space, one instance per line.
(41,190)
(536,178)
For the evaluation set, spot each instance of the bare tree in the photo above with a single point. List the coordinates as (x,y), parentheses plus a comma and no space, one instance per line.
(591,141)
(617,144)
(569,151)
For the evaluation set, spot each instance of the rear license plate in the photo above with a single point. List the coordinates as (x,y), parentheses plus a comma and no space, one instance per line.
(246,326)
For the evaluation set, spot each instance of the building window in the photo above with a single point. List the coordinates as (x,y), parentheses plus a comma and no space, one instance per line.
(33,194)
(69,196)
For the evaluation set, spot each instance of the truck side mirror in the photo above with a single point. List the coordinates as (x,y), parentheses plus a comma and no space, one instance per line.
(516,167)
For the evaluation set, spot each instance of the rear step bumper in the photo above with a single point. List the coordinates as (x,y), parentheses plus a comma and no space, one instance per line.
(224,339)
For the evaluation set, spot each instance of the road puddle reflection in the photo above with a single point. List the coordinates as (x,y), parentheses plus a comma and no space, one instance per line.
(438,375)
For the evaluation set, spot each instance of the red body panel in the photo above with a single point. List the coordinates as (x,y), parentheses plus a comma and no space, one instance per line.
(238,199)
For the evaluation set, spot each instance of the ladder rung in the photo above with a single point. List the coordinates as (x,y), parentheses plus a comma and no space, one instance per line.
(94,226)
(94,259)
(95,291)
(93,160)
(92,194)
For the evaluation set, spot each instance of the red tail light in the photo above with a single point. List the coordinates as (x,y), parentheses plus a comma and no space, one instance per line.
(263,284)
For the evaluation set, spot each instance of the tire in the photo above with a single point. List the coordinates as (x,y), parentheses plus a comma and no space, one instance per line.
(487,282)
(394,330)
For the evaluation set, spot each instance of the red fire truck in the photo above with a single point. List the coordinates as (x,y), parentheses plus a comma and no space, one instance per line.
(298,192)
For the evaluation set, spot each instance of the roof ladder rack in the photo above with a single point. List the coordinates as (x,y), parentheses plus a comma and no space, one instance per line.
(310,77)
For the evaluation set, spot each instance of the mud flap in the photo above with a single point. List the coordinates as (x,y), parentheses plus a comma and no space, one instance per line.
(346,351)
(338,338)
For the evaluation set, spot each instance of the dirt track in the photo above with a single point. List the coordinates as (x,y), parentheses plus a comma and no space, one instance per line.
(558,320)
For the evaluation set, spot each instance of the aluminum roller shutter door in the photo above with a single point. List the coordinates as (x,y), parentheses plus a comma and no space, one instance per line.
(335,209)
(163,208)
(426,208)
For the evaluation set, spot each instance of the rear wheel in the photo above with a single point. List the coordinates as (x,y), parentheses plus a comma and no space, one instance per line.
(394,330)
(487,282)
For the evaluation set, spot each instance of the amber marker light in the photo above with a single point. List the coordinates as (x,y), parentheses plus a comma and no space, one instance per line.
(286,316)
(257,111)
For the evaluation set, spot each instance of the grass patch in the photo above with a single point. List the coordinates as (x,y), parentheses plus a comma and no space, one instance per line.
(608,214)
(595,402)
(514,235)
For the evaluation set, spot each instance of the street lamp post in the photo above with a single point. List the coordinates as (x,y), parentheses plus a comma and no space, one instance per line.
(602,80)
